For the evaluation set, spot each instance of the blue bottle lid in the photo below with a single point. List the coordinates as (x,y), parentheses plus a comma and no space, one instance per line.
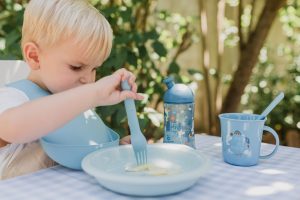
(177,93)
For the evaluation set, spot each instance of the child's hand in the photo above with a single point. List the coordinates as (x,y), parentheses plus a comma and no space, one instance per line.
(125,140)
(109,90)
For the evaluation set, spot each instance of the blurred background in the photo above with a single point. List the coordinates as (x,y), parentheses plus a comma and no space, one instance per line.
(236,55)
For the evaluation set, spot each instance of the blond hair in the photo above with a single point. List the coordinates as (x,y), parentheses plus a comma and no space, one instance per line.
(48,22)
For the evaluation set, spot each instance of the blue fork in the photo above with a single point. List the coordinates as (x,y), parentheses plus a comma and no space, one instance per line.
(138,140)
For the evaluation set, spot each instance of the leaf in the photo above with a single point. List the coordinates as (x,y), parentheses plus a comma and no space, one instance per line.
(12,38)
(109,10)
(121,58)
(142,51)
(107,111)
(121,115)
(111,61)
(132,58)
(143,123)
(138,38)
(153,35)
(159,48)
(126,15)
(194,71)
(123,38)
(173,68)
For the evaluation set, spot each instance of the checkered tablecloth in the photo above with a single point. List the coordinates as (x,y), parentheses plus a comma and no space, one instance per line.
(275,178)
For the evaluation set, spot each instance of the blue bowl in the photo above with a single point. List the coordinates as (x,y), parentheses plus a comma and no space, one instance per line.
(80,130)
(70,155)
(183,166)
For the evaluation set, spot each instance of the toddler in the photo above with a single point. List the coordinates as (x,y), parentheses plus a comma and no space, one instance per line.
(63,42)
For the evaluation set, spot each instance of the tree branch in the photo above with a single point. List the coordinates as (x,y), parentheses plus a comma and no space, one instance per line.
(251,19)
(218,86)
(186,42)
(249,55)
(205,60)
(240,12)
(142,14)
(220,18)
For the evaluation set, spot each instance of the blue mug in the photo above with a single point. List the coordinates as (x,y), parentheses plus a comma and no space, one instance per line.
(241,138)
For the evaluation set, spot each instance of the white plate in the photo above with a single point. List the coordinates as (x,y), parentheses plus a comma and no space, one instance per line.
(173,168)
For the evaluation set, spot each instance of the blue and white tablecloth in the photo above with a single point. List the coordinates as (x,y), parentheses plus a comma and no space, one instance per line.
(275,178)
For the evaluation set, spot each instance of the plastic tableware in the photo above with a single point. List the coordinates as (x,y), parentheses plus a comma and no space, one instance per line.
(70,156)
(179,107)
(184,165)
(138,140)
(81,130)
(242,137)
(272,105)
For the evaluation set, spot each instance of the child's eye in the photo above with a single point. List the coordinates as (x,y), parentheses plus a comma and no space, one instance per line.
(75,68)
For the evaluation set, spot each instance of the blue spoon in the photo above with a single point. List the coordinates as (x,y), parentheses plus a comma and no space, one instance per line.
(271,106)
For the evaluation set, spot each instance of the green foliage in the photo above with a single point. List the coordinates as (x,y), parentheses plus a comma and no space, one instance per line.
(269,79)
(139,46)
(11,18)
(142,44)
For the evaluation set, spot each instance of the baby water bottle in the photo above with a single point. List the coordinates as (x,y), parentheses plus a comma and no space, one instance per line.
(178,114)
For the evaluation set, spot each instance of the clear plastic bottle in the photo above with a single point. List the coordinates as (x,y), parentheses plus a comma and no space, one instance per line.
(178,114)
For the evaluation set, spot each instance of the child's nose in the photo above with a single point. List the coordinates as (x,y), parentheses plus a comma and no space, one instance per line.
(87,78)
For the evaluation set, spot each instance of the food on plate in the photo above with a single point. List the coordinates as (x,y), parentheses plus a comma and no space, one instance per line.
(152,169)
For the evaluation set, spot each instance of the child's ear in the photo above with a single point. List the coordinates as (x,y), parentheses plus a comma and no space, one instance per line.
(31,54)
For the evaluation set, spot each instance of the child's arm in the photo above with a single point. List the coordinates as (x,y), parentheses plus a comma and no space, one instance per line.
(35,119)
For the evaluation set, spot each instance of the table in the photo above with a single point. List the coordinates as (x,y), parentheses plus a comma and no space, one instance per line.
(275,178)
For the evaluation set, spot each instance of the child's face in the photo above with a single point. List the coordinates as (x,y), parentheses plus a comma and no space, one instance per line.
(63,67)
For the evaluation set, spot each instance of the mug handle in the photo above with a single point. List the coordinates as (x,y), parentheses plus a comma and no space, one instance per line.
(270,130)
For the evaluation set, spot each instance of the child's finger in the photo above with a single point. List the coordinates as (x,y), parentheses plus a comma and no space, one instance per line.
(131,78)
(132,95)
(125,94)
(139,97)
(122,73)
(134,88)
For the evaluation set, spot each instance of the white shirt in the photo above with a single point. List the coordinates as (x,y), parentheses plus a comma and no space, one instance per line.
(18,159)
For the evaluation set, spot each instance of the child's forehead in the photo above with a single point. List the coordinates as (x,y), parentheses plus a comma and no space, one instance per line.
(84,61)
(78,53)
